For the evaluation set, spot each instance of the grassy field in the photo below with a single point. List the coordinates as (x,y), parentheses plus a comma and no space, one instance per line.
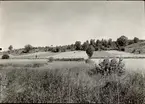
(136,47)
(132,64)
(68,82)
(78,54)
(40,81)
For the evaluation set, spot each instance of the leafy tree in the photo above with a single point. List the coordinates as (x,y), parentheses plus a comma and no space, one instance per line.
(136,40)
(98,45)
(130,42)
(78,45)
(110,42)
(27,48)
(72,47)
(92,42)
(85,45)
(104,43)
(90,51)
(10,47)
(122,41)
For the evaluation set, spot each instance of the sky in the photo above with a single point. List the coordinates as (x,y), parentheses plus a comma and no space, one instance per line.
(45,23)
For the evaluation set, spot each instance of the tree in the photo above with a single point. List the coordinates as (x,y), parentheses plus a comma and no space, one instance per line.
(27,48)
(130,42)
(122,41)
(10,47)
(78,45)
(136,40)
(104,43)
(110,42)
(92,42)
(98,45)
(90,51)
(85,45)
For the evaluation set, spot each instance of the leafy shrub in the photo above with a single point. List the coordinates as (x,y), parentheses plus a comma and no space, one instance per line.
(5,56)
(51,59)
(90,51)
(107,67)
(27,48)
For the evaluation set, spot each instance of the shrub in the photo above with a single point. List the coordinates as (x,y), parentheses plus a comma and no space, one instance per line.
(5,56)
(122,49)
(51,59)
(27,48)
(90,51)
(107,67)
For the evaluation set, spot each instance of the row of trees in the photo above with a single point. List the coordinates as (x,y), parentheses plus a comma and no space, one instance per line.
(96,45)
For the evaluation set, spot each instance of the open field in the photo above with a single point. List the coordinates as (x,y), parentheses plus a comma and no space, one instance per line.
(37,80)
(132,64)
(68,82)
(78,54)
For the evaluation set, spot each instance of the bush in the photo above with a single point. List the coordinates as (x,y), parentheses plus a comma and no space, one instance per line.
(90,51)
(107,67)
(51,59)
(122,49)
(5,56)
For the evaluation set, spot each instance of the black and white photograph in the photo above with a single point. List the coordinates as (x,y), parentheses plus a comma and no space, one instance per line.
(72,52)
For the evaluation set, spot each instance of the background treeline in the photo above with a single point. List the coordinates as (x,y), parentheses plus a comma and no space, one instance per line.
(97,45)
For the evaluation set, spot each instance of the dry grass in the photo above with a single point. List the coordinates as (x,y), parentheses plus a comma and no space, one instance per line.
(69,82)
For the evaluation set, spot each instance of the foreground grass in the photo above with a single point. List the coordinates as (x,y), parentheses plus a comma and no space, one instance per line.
(68,85)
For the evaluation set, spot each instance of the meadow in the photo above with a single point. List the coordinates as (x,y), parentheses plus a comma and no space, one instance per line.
(41,81)
(69,82)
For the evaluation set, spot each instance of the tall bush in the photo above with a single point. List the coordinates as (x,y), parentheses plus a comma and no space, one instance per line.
(5,56)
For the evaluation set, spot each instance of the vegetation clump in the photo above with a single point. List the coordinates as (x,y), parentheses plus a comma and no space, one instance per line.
(5,56)
(51,59)
(90,51)
(69,86)
(108,67)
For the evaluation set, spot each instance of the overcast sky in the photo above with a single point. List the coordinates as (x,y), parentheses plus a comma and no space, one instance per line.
(62,22)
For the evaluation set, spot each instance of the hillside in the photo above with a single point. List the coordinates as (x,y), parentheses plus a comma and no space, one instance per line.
(138,48)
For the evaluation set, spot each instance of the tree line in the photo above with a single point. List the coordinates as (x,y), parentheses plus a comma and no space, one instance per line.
(95,45)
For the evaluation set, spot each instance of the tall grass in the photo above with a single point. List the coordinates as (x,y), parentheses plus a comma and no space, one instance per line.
(25,85)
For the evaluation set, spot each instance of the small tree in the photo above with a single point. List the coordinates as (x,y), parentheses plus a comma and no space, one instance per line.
(85,45)
(78,45)
(28,48)
(10,48)
(122,41)
(136,40)
(90,51)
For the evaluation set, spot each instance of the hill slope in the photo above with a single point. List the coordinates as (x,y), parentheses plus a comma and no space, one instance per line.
(138,48)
